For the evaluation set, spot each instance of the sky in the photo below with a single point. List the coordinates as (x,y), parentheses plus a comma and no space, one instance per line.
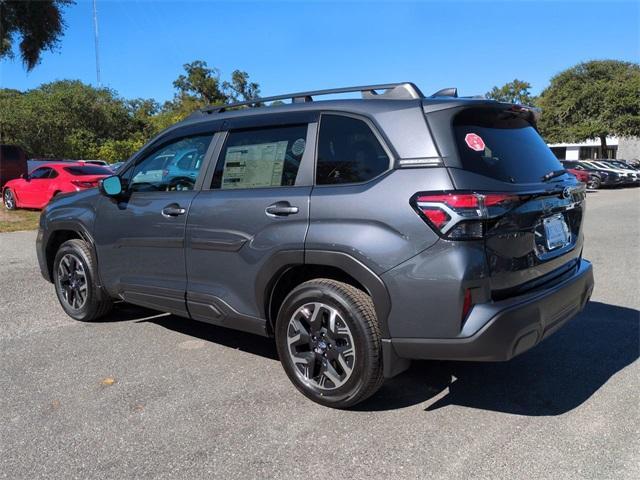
(295,46)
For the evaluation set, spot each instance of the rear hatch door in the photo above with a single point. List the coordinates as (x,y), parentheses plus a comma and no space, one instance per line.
(535,236)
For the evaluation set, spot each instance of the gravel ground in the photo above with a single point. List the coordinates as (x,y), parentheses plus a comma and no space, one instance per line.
(147,395)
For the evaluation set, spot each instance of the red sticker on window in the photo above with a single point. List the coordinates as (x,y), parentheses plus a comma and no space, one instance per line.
(474,142)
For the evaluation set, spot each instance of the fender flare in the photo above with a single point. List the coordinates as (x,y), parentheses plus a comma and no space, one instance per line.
(280,262)
(82,231)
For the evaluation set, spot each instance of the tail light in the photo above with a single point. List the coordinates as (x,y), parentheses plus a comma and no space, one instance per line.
(83,184)
(461,216)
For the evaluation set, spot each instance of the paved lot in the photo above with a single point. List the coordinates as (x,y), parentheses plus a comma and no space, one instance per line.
(188,400)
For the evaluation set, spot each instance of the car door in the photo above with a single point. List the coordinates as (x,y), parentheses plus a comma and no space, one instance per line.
(33,190)
(139,236)
(249,220)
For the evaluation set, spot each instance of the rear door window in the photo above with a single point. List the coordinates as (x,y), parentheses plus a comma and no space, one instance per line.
(503,146)
(261,158)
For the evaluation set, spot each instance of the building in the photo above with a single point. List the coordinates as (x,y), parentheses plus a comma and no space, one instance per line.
(624,148)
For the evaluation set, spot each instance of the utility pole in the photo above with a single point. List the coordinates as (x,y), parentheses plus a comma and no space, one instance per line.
(95,30)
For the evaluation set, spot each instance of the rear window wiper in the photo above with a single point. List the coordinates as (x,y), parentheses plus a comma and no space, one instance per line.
(553,174)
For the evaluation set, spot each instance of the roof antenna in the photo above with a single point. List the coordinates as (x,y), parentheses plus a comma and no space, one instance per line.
(446,92)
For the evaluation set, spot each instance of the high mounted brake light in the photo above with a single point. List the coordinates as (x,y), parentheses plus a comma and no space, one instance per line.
(461,216)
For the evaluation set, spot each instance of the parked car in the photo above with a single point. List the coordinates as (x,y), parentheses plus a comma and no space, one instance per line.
(13,163)
(582,175)
(602,177)
(359,233)
(182,170)
(115,166)
(101,163)
(36,189)
(632,176)
(623,165)
(153,171)
(627,177)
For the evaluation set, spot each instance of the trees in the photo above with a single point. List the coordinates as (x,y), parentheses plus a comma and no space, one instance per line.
(66,119)
(516,91)
(69,119)
(201,85)
(592,100)
(38,23)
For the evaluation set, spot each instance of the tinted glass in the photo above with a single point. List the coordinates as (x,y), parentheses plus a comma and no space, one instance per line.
(158,172)
(348,152)
(41,173)
(261,158)
(88,170)
(503,146)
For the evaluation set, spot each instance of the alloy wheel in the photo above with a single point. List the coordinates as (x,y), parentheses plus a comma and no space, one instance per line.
(320,346)
(72,281)
(9,202)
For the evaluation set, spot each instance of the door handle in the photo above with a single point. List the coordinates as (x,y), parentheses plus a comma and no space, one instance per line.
(173,210)
(280,209)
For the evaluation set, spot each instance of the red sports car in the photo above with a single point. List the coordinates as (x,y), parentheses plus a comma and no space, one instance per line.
(38,188)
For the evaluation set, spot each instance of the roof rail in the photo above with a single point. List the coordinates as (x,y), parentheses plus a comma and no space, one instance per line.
(393,91)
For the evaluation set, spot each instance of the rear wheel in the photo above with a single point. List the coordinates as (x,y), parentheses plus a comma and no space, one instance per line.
(594,183)
(329,343)
(9,199)
(74,274)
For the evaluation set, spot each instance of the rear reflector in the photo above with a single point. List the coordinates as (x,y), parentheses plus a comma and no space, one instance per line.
(466,304)
(461,216)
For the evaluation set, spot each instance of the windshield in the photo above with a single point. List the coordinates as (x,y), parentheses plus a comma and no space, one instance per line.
(501,145)
(88,170)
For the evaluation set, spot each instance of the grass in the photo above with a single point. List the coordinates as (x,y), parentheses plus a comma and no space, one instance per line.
(14,220)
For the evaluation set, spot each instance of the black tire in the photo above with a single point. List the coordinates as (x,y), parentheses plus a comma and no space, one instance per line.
(9,199)
(89,305)
(594,183)
(354,309)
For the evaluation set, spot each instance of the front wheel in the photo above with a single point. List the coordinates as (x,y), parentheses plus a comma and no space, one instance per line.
(329,342)
(9,199)
(74,275)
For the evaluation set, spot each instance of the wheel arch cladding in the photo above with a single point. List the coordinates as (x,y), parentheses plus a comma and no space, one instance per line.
(58,237)
(325,264)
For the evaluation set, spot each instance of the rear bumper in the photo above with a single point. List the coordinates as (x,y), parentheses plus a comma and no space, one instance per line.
(509,327)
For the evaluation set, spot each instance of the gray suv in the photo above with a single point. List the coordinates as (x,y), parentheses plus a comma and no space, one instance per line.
(359,233)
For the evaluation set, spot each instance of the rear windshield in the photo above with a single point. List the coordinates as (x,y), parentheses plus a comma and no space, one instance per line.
(503,146)
(88,170)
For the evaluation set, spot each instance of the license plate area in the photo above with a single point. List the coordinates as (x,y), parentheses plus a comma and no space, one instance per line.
(556,231)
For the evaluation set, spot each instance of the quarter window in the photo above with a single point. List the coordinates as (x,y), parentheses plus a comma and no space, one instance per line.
(261,158)
(348,152)
(174,167)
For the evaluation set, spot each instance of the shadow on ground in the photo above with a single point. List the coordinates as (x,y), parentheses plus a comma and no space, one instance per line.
(245,342)
(556,376)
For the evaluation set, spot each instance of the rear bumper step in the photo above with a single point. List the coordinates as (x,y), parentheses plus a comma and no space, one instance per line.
(511,327)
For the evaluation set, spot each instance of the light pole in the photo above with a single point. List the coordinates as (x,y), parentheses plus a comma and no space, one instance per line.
(95,30)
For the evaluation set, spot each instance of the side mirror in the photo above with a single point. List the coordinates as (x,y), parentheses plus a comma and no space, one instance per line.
(25,176)
(111,186)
